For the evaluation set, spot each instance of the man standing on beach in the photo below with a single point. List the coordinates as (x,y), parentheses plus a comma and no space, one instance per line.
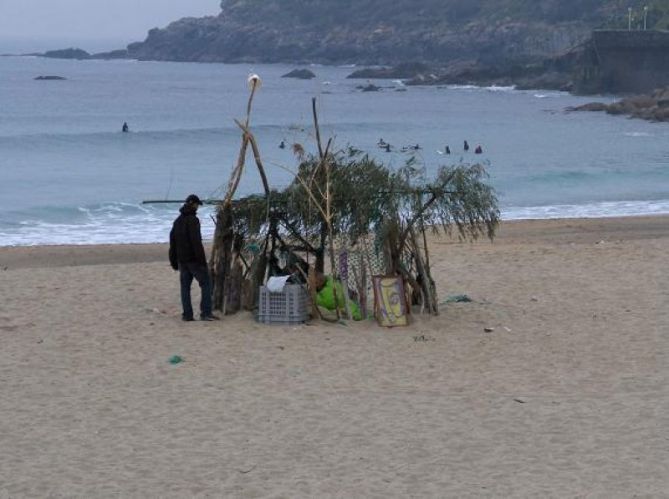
(187,256)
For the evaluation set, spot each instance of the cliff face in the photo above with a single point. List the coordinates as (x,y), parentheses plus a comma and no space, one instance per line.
(378,31)
(214,41)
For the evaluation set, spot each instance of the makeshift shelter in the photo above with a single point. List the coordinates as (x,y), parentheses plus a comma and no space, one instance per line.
(348,209)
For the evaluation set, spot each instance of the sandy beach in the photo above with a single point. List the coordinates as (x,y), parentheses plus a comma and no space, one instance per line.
(567,396)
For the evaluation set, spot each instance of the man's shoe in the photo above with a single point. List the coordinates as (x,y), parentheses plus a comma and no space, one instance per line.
(187,319)
(210,318)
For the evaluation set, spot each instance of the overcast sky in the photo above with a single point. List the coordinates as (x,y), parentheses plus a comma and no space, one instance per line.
(101,20)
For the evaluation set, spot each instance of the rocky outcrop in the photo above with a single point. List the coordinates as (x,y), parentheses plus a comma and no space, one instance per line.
(80,54)
(114,54)
(221,40)
(189,39)
(529,76)
(368,32)
(403,71)
(301,74)
(652,107)
(554,73)
(370,87)
(70,53)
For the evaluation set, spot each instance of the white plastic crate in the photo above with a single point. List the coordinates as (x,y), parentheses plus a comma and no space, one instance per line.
(290,306)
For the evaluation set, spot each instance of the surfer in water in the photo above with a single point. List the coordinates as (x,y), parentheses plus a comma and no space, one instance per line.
(478,150)
(466,146)
(282,145)
(125,128)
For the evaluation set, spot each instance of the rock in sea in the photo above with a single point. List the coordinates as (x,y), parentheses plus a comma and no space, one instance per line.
(302,74)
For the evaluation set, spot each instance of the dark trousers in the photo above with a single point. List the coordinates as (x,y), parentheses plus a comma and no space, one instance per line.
(188,271)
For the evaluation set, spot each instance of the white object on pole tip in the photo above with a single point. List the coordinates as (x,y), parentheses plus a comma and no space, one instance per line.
(254,81)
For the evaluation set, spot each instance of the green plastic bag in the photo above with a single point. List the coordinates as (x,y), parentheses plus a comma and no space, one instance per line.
(325,298)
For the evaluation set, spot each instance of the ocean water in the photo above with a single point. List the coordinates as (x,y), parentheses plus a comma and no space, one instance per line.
(69,176)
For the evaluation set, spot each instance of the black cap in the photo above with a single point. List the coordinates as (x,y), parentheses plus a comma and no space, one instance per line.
(193,199)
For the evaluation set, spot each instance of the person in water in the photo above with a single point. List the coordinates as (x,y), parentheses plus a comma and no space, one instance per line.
(187,256)
(125,128)
(447,150)
(478,150)
(387,147)
(466,146)
(282,145)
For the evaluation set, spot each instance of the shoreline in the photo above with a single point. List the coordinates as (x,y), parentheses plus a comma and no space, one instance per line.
(577,229)
(132,230)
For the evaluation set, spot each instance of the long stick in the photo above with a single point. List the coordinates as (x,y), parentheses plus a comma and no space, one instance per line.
(420,269)
(256,156)
(236,175)
(433,289)
(221,257)
(328,202)
(328,220)
(318,132)
(237,172)
(261,168)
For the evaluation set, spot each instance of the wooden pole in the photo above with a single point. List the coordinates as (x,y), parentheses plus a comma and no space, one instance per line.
(221,255)
(428,272)
(318,131)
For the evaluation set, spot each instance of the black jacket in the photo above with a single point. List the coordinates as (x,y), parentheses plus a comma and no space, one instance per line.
(186,239)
